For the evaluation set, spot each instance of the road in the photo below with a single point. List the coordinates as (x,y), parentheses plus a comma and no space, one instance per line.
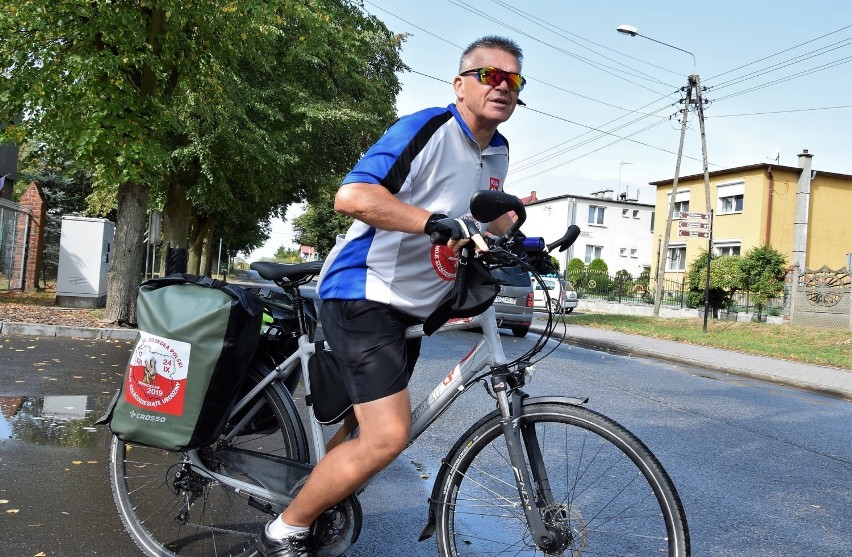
(763,470)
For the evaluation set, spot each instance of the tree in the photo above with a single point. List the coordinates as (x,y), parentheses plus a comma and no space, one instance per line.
(162,85)
(576,272)
(320,224)
(763,270)
(696,276)
(119,64)
(287,255)
(333,78)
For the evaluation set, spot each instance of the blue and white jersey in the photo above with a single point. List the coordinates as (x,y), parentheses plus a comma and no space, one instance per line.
(428,159)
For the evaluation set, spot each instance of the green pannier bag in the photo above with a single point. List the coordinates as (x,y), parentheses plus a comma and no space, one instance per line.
(197,337)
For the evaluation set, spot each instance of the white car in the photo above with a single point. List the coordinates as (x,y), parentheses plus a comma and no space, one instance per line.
(563,296)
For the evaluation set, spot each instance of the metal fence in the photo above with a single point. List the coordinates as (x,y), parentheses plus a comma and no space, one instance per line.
(624,288)
(14,223)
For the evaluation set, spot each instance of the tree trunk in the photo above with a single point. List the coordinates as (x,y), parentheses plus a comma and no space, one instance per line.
(128,253)
(200,231)
(208,250)
(177,216)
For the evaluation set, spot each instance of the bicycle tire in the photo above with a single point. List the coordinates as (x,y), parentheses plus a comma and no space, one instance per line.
(611,496)
(220,522)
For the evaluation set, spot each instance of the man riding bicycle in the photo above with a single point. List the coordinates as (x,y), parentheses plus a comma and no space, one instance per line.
(409,196)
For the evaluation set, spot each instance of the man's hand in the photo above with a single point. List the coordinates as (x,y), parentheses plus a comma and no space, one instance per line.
(455,233)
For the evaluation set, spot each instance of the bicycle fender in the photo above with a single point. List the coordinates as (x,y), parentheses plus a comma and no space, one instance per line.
(429,529)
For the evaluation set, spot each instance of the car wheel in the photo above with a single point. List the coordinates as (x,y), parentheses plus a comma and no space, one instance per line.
(569,310)
(520,331)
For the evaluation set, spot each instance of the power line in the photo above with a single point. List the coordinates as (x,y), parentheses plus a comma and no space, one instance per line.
(790,77)
(780,111)
(784,64)
(414,25)
(563,32)
(777,53)
(596,65)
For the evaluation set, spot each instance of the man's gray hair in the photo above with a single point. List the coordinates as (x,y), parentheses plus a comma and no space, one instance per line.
(491,41)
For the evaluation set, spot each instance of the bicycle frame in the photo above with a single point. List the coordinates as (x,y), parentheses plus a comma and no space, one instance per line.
(488,351)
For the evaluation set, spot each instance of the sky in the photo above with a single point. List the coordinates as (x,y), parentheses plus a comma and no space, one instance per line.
(602,108)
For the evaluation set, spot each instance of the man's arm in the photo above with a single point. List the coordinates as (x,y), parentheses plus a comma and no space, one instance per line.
(500,225)
(373,204)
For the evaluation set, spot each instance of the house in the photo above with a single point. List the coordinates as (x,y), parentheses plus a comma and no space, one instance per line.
(615,230)
(801,212)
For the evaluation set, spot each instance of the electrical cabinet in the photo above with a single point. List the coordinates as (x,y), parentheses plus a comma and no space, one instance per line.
(85,254)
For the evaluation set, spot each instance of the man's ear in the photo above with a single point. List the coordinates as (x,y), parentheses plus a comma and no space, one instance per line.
(457,86)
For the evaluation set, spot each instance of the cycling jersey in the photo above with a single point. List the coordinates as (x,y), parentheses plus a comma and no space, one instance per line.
(431,160)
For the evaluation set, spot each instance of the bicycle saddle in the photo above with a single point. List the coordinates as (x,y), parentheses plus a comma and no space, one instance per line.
(293,272)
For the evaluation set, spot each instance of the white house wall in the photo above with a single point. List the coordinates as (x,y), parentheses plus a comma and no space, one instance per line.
(550,219)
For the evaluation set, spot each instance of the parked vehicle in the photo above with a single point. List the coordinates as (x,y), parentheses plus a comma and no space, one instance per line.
(514,304)
(562,294)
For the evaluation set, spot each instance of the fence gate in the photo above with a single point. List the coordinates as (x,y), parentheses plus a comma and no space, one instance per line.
(822,299)
(14,229)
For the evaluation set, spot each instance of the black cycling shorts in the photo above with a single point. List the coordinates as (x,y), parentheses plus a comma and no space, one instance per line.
(368,340)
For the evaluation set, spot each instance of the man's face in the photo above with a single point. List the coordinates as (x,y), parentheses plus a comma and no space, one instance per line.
(488,106)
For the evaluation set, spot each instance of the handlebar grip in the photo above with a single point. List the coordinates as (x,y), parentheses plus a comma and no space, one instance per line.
(567,240)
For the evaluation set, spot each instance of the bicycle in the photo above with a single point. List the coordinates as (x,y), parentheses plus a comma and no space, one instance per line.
(535,476)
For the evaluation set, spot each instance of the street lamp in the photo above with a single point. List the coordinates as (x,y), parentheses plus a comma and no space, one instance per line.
(693,84)
(633,32)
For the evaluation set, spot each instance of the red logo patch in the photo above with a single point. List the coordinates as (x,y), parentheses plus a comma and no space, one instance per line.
(495,183)
(157,374)
(445,262)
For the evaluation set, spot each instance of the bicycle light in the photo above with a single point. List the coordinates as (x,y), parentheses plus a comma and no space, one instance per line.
(533,243)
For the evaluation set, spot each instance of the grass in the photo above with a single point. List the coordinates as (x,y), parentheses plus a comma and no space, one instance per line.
(812,346)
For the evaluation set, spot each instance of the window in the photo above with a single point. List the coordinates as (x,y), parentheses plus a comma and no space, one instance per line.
(731,197)
(731,204)
(596,214)
(593,252)
(625,213)
(622,252)
(676,258)
(726,248)
(633,252)
(681,203)
(635,213)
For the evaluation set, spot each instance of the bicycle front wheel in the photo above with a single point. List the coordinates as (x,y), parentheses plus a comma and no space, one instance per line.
(597,487)
(171,510)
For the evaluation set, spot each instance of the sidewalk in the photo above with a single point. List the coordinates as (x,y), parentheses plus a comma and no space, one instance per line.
(828,380)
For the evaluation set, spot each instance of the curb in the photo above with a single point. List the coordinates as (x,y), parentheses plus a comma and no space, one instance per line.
(613,348)
(37,330)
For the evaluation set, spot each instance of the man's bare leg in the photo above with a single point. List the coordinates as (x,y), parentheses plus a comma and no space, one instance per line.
(385,425)
(346,428)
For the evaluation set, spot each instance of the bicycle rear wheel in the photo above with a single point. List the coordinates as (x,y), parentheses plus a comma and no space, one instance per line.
(610,495)
(171,510)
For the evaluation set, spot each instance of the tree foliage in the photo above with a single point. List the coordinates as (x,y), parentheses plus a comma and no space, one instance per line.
(320,224)
(763,270)
(241,108)
(287,255)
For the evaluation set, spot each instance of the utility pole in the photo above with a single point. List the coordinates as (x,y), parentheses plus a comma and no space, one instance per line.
(693,84)
(664,251)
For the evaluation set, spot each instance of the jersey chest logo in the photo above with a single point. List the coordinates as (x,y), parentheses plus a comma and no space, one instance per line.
(444,262)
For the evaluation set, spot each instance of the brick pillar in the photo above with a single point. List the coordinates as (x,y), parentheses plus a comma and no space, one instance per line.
(32,201)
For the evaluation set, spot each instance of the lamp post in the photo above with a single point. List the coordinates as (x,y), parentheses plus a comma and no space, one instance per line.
(693,84)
